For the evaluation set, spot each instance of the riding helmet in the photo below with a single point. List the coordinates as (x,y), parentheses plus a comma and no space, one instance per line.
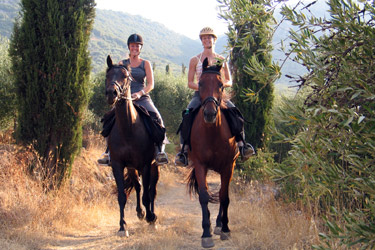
(207,31)
(135,38)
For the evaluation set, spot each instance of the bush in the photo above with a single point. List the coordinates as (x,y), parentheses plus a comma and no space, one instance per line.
(97,100)
(171,96)
(331,161)
(7,89)
(284,125)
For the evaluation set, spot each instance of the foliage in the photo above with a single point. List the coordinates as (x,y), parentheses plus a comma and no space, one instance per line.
(331,162)
(171,96)
(7,91)
(281,129)
(51,65)
(250,34)
(255,167)
(97,101)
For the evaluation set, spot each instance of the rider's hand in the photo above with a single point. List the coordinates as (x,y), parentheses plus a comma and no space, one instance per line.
(137,95)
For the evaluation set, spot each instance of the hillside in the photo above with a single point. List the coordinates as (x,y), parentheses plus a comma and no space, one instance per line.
(109,36)
(162,46)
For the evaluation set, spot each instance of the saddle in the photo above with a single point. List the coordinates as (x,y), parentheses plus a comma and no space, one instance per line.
(233,115)
(150,120)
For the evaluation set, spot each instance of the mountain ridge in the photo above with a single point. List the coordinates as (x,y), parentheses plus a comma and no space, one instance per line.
(111,29)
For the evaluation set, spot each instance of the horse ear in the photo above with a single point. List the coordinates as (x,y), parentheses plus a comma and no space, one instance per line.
(109,61)
(205,64)
(219,65)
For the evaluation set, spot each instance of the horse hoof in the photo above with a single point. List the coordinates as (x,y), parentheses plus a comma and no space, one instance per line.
(153,226)
(217,230)
(141,215)
(151,221)
(123,233)
(224,235)
(207,242)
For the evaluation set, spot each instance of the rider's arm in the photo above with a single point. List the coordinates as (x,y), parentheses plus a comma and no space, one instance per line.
(149,77)
(227,79)
(191,74)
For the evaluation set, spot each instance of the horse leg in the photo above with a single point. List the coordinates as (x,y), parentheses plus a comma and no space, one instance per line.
(150,216)
(224,204)
(200,175)
(154,177)
(137,186)
(118,173)
(219,225)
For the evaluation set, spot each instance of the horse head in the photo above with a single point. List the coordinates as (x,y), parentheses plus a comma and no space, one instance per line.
(210,90)
(117,82)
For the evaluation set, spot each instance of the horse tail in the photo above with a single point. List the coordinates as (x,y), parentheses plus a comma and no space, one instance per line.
(129,183)
(192,183)
(193,188)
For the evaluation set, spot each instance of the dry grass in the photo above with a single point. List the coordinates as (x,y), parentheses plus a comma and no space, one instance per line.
(83,214)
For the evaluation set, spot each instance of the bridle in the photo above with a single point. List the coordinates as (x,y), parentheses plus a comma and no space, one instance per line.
(121,90)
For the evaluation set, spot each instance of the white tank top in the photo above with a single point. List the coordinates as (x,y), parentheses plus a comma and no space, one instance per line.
(198,68)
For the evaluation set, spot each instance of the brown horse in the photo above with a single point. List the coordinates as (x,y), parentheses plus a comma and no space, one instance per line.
(130,146)
(213,147)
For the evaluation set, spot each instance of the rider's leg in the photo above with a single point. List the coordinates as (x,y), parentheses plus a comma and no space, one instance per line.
(161,157)
(246,149)
(106,159)
(181,158)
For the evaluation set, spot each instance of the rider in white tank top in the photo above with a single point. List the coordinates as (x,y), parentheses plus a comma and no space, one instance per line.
(208,39)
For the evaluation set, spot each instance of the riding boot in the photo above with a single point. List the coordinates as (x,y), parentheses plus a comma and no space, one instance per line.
(161,157)
(181,158)
(106,159)
(246,149)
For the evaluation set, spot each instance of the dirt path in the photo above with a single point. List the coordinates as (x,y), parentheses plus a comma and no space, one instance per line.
(178,226)
(256,221)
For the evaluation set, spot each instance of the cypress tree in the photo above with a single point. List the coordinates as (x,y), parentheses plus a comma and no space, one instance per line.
(51,64)
(250,36)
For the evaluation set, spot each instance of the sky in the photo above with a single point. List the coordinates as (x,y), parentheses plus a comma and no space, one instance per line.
(186,17)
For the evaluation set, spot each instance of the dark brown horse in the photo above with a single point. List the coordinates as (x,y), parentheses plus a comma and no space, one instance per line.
(212,148)
(130,146)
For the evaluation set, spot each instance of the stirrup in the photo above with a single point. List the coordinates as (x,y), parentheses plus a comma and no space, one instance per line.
(246,151)
(181,159)
(161,158)
(106,161)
